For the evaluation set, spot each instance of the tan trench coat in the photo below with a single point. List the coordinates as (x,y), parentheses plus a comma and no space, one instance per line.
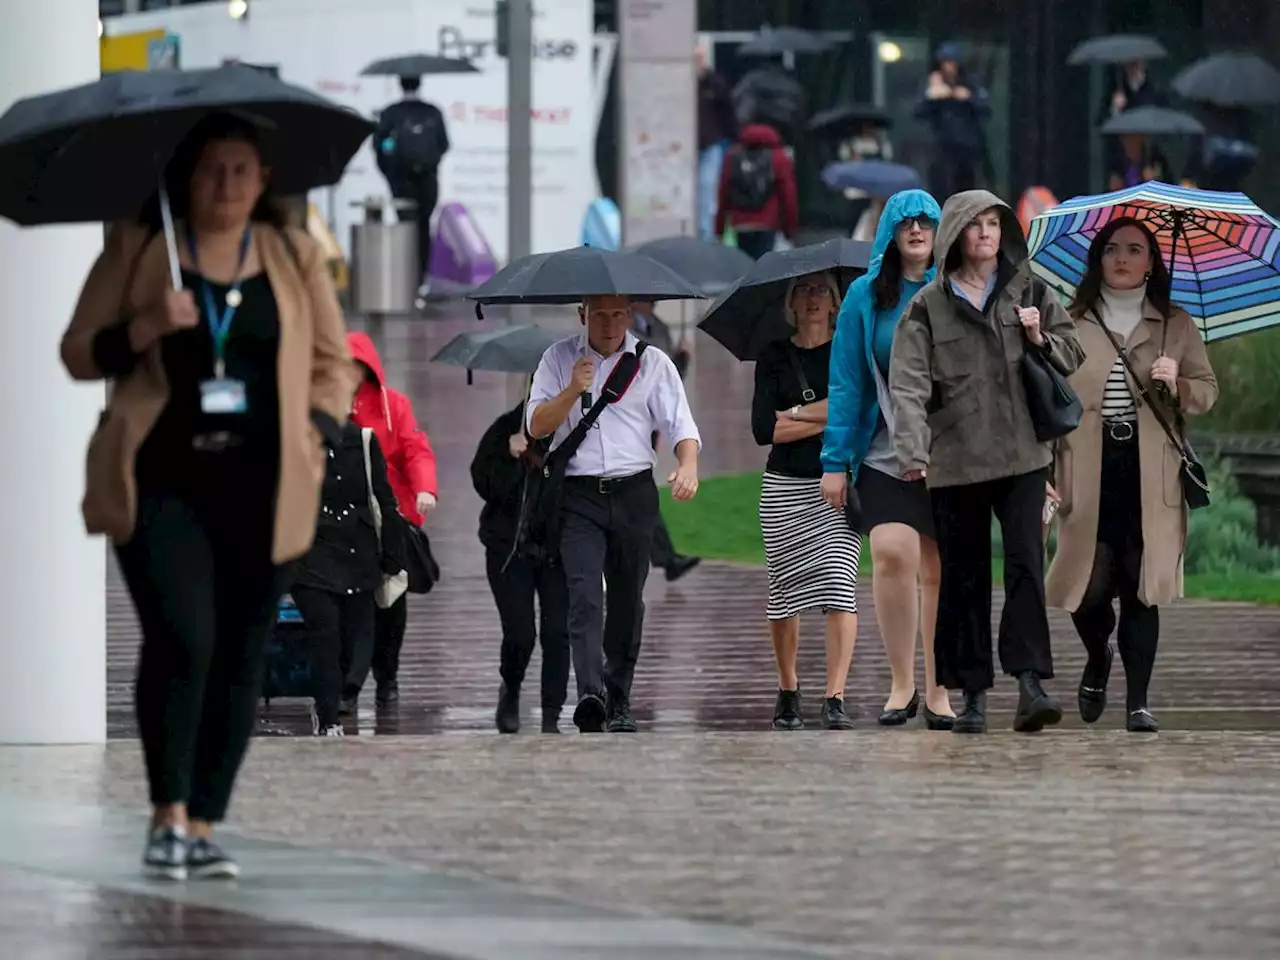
(1078,470)
(315,373)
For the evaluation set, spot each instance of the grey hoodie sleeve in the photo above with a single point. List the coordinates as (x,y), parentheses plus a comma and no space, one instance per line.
(1061,345)
(911,386)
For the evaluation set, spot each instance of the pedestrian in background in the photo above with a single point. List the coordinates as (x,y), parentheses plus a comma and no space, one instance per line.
(717,128)
(758,191)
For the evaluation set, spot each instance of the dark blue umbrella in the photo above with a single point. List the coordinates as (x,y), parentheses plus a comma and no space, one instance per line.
(876,178)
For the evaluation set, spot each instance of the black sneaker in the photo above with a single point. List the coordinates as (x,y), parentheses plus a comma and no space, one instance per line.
(1092,695)
(550,719)
(1141,721)
(973,716)
(207,861)
(165,855)
(589,715)
(786,712)
(388,694)
(833,715)
(1036,709)
(508,715)
(620,719)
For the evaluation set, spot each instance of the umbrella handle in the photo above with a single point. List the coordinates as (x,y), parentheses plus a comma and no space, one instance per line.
(170,236)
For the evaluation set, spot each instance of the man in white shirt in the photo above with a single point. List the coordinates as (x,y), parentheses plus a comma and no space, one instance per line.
(610,503)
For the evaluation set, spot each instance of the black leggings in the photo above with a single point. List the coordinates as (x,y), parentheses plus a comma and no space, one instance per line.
(1117,566)
(340,639)
(200,573)
(389,631)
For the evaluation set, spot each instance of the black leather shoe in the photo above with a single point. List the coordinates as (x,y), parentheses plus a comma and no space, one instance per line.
(786,712)
(1141,721)
(620,719)
(589,715)
(678,567)
(1036,709)
(833,715)
(508,715)
(900,715)
(550,719)
(1092,695)
(937,721)
(973,717)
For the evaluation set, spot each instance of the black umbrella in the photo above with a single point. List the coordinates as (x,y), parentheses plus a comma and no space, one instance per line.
(849,118)
(417,65)
(95,153)
(712,267)
(1230,80)
(775,41)
(570,276)
(506,350)
(1153,122)
(750,314)
(1119,48)
(770,96)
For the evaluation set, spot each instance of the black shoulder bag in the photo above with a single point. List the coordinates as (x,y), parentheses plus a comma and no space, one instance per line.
(1195,482)
(538,529)
(1055,409)
(852,503)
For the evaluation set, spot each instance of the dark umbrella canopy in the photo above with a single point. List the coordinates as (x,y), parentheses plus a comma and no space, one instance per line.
(850,118)
(95,152)
(506,350)
(876,178)
(417,65)
(570,276)
(712,267)
(1119,48)
(1153,122)
(770,96)
(748,316)
(775,41)
(1230,80)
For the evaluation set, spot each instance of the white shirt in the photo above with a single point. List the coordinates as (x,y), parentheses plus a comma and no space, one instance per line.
(620,442)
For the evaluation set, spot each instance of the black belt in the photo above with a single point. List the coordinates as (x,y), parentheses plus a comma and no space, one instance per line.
(610,485)
(1120,431)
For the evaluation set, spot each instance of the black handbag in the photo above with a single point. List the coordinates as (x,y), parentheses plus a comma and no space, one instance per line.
(424,572)
(1195,481)
(1055,409)
(852,503)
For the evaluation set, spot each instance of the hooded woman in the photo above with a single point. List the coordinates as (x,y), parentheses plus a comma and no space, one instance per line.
(858,447)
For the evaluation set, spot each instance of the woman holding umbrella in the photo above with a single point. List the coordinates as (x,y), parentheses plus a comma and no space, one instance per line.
(858,447)
(207,464)
(1123,524)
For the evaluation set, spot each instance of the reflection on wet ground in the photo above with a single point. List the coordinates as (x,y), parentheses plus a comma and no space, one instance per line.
(706,662)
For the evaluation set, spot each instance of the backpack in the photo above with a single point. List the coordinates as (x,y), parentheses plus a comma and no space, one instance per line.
(414,145)
(751,177)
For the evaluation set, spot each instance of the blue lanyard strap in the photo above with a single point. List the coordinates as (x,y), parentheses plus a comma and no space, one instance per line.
(220,323)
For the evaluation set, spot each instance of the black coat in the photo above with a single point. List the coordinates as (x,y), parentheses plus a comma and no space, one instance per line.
(345,557)
(502,480)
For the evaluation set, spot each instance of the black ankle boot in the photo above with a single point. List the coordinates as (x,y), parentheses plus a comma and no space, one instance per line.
(1036,709)
(973,715)
(507,716)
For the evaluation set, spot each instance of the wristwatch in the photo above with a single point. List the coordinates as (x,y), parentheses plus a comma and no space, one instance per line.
(794,411)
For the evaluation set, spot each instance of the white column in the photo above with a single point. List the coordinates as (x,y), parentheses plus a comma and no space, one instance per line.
(52,576)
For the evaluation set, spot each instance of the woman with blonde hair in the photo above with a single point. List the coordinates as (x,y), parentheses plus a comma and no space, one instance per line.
(812,554)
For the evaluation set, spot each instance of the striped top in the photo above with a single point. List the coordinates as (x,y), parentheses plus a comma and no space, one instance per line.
(1117,398)
(1121,312)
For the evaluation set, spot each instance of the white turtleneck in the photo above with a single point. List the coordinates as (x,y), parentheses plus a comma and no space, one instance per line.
(1122,312)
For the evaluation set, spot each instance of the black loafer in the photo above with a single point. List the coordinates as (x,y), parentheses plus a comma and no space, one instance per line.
(900,715)
(1141,721)
(1092,695)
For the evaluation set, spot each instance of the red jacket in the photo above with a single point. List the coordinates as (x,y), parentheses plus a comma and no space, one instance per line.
(782,212)
(411,463)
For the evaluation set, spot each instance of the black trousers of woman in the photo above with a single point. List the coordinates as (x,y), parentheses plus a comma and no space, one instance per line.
(1117,567)
(514,589)
(340,638)
(200,573)
(962,519)
(389,631)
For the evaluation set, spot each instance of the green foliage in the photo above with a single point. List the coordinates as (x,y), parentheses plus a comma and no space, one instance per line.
(1222,538)
(1249,393)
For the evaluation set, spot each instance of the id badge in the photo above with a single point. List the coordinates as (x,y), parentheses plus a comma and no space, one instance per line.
(223,396)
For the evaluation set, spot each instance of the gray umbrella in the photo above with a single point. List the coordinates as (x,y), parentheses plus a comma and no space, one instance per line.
(417,65)
(505,350)
(1119,48)
(1153,122)
(712,267)
(1230,80)
(570,276)
(775,41)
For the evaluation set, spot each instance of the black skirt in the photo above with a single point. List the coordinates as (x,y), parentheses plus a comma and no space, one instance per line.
(887,499)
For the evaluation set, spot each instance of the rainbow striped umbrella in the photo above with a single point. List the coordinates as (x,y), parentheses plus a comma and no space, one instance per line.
(1222,250)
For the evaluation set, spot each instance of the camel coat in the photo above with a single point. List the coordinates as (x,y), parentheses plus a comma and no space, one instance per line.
(1078,466)
(315,374)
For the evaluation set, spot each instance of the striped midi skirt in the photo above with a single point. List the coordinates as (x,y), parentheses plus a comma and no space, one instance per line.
(811,553)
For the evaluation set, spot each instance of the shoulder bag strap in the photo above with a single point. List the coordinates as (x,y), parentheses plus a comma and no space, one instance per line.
(613,391)
(366,436)
(1142,390)
(794,356)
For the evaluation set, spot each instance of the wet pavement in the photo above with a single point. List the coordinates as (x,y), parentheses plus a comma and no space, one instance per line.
(707,835)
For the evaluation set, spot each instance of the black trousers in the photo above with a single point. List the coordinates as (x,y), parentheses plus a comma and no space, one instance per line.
(663,552)
(340,639)
(514,590)
(200,574)
(425,194)
(962,518)
(756,243)
(610,532)
(1117,568)
(388,639)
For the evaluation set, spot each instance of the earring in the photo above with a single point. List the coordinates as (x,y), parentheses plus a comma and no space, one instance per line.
(1147,275)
